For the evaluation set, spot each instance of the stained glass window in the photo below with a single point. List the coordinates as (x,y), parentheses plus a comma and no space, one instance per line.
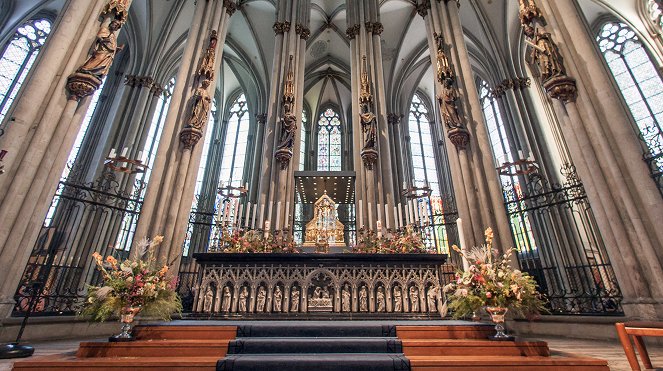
(421,147)
(302,146)
(18,58)
(640,85)
(329,141)
(234,149)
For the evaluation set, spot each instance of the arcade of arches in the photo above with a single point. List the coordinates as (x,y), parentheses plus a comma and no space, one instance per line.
(540,119)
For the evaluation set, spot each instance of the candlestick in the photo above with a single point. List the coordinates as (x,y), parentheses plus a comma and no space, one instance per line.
(400,215)
(361,220)
(408,219)
(278,215)
(248,214)
(238,222)
(287,214)
(124,152)
(396,217)
(112,153)
(386,214)
(262,214)
(379,212)
(415,204)
(255,213)
(370,216)
(461,240)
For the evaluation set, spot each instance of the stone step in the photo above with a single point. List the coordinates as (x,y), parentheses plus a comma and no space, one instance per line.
(452,347)
(506,363)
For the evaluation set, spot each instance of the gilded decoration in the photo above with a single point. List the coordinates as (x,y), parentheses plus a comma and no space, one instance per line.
(288,122)
(206,69)
(325,228)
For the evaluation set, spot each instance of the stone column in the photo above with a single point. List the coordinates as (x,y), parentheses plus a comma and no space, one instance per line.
(281,135)
(169,197)
(639,272)
(44,122)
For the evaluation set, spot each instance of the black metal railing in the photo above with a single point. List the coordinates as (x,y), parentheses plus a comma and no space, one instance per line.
(83,219)
(558,242)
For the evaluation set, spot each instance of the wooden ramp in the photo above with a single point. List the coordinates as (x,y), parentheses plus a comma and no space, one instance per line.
(453,346)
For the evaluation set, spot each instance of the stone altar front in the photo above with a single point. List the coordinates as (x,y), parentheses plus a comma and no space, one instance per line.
(314,285)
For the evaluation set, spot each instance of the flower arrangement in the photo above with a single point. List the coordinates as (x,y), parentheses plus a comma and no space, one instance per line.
(491,281)
(399,242)
(132,286)
(254,241)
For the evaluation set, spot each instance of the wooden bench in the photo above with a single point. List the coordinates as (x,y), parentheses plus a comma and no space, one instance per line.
(637,330)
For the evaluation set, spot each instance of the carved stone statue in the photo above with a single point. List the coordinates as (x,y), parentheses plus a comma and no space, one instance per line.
(380,300)
(288,128)
(294,299)
(345,302)
(369,126)
(206,68)
(227,299)
(260,302)
(243,296)
(414,299)
(547,56)
(443,66)
(432,296)
(363,299)
(120,8)
(200,106)
(209,295)
(449,105)
(278,296)
(103,52)
(398,299)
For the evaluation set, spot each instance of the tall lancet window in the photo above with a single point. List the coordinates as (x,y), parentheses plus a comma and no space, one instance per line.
(641,87)
(655,13)
(302,146)
(329,141)
(496,129)
(234,148)
(421,146)
(18,57)
(211,121)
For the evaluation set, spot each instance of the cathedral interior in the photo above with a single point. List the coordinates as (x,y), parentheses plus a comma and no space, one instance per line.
(319,121)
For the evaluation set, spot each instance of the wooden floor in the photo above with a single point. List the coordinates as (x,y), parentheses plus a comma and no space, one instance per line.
(610,351)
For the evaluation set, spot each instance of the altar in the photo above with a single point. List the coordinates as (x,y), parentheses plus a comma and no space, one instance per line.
(275,285)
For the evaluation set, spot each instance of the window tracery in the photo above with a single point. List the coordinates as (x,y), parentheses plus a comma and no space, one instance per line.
(329,141)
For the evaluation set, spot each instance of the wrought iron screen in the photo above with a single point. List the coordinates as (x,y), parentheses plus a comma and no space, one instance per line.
(558,243)
(84,218)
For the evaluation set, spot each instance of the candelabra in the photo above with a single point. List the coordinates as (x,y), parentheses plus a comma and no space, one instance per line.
(124,164)
(417,217)
(229,210)
(519,167)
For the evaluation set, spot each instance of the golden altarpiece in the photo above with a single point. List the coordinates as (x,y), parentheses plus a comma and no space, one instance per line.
(324,229)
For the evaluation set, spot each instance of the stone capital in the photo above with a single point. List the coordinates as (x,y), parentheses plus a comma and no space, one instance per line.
(231,7)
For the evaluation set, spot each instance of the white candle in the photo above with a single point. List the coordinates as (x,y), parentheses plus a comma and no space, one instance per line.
(379,226)
(255,213)
(521,155)
(400,215)
(379,212)
(408,220)
(112,153)
(140,155)
(144,157)
(124,152)
(262,214)
(278,215)
(461,241)
(410,205)
(246,185)
(370,216)
(360,224)
(287,214)
(396,217)
(266,233)
(248,215)
(386,214)
(404,185)
(415,203)
(239,215)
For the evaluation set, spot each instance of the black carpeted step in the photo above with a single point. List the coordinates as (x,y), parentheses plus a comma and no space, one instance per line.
(264,345)
(316,330)
(317,362)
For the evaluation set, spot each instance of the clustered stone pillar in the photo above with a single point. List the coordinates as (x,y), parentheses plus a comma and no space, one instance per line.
(604,149)
(44,121)
(374,185)
(169,196)
(281,137)
(477,188)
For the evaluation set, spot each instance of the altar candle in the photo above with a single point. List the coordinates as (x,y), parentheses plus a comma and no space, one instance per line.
(379,212)
(410,204)
(400,215)
(112,153)
(370,216)
(255,213)
(359,214)
(140,155)
(239,215)
(266,233)
(415,204)
(124,152)
(287,214)
(248,214)
(396,217)
(262,215)
(278,215)
(461,240)
(407,213)
(386,214)
(379,226)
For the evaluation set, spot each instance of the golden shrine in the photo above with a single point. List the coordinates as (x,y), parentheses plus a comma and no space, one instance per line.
(324,229)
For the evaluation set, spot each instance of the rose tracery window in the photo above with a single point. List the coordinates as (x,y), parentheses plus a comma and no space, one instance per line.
(329,141)
(641,87)
(18,57)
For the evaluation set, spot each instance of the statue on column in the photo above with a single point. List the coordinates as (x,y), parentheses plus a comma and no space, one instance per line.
(103,51)
(547,56)
(200,106)
(119,8)
(288,127)
(206,69)
(449,105)
(288,122)
(444,70)
(369,126)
